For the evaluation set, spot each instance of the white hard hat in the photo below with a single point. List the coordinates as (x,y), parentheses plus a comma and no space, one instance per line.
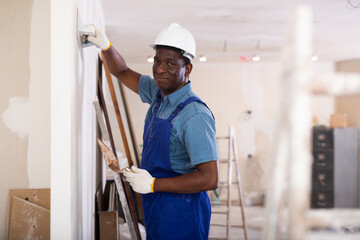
(178,37)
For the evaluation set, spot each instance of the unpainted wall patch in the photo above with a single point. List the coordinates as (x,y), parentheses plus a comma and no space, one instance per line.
(16,116)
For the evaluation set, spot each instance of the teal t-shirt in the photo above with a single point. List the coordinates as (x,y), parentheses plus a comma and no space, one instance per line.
(193,139)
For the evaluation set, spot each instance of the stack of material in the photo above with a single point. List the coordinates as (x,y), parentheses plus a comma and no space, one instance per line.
(108,219)
(29,214)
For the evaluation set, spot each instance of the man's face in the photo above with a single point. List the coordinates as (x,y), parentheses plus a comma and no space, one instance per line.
(169,70)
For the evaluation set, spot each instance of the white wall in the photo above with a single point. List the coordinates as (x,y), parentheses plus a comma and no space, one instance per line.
(230,89)
(73,122)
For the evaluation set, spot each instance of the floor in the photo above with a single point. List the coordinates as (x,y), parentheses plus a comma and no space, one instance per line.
(254,219)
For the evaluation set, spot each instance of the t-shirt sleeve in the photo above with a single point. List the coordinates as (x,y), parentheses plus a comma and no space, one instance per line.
(147,88)
(200,138)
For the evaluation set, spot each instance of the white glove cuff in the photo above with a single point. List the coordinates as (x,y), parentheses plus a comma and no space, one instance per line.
(106,48)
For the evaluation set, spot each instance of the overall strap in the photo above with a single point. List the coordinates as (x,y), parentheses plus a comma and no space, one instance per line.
(183,104)
(158,102)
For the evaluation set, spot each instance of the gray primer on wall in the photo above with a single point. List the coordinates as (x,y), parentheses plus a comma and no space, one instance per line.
(14,75)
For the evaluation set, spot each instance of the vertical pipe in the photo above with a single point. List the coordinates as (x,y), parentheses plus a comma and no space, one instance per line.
(300,122)
(291,154)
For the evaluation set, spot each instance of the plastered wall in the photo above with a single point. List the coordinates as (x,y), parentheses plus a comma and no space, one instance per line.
(24,104)
(27,118)
(231,90)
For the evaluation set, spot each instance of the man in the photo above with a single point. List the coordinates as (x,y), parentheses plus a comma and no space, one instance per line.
(179,158)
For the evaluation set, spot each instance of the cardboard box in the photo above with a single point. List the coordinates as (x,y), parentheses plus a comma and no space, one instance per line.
(28,220)
(338,120)
(39,197)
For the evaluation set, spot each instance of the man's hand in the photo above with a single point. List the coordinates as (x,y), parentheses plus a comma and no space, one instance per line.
(141,180)
(100,40)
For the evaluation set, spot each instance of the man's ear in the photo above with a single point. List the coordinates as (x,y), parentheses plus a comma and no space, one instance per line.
(188,69)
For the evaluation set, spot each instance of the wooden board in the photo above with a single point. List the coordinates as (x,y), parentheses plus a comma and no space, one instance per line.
(108,225)
(28,221)
(40,197)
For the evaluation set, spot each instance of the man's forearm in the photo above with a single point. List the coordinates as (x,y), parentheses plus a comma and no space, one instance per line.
(114,61)
(117,67)
(206,178)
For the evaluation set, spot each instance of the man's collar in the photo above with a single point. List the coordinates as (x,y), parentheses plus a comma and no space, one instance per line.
(176,96)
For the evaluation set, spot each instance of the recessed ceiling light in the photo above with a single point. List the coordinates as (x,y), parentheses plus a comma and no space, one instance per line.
(150,59)
(314,58)
(202,58)
(256,58)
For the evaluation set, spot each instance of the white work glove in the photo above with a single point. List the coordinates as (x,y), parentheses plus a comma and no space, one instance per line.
(140,180)
(100,40)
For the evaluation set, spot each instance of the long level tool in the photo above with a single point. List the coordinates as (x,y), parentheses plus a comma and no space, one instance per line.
(122,130)
(121,184)
(99,116)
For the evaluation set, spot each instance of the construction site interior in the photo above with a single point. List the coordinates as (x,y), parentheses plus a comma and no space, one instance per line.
(282,79)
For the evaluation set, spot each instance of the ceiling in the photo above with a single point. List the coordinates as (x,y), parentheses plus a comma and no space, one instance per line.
(232,30)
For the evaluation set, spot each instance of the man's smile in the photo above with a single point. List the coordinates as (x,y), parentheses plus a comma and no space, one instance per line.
(161,79)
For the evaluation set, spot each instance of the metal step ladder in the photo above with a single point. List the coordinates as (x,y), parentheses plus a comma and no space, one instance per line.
(232,158)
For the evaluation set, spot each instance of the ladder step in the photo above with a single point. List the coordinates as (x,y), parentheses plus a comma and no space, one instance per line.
(237,204)
(225,183)
(224,137)
(225,225)
(219,212)
(218,203)
(225,160)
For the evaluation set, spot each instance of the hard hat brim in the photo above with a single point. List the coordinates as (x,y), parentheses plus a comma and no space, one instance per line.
(184,53)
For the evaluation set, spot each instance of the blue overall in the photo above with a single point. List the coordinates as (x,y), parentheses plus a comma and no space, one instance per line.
(170,215)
